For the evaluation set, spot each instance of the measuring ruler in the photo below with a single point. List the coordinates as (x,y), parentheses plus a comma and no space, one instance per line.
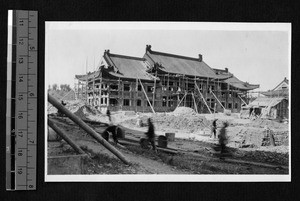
(21,113)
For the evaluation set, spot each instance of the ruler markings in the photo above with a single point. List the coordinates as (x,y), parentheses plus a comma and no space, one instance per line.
(27,104)
(21,113)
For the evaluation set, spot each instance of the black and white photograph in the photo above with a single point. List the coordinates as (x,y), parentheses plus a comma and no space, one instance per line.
(167,101)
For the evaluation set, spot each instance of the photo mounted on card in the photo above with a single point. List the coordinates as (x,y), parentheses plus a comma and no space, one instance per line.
(167,101)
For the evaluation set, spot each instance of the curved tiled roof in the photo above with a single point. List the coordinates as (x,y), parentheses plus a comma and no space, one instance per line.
(128,67)
(89,76)
(235,82)
(180,64)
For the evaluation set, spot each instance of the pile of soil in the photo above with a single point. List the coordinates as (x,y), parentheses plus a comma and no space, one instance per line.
(61,94)
(184,110)
(81,113)
(74,105)
(86,112)
(267,123)
(183,122)
(247,137)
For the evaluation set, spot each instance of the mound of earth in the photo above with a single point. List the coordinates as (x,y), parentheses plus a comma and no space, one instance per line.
(267,123)
(183,122)
(62,95)
(184,110)
(86,112)
(74,105)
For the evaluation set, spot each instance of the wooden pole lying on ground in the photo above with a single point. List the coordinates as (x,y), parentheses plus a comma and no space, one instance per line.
(158,148)
(88,129)
(65,137)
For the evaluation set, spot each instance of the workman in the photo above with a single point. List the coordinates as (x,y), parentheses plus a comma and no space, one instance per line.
(223,137)
(108,115)
(112,129)
(59,112)
(151,134)
(214,128)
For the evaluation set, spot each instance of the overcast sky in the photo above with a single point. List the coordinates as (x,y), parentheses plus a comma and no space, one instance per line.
(256,53)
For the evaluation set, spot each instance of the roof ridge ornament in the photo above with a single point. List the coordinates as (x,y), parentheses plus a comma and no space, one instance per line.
(148,48)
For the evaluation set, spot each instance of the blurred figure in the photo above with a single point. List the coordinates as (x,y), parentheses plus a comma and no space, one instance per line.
(59,113)
(63,103)
(151,134)
(139,122)
(115,131)
(108,115)
(214,128)
(223,137)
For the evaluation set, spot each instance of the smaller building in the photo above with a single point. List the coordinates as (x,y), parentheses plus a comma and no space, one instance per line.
(273,105)
(270,107)
(281,90)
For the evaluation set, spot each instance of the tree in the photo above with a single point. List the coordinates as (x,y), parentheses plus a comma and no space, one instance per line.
(54,87)
(65,87)
(68,87)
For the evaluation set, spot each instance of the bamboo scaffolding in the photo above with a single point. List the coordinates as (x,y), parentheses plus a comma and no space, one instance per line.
(136,93)
(86,84)
(154,89)
(242,100)
(146,96)
(181,100)
(216,98)
(196,107)
(203,98)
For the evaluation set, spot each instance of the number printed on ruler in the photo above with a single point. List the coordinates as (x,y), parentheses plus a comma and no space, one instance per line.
(26,99)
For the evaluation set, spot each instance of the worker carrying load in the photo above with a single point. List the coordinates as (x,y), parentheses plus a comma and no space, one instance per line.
(115,131)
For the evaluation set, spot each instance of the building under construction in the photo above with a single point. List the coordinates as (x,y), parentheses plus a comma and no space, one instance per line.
(159,82)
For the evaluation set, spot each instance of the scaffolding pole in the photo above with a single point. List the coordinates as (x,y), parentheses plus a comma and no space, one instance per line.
(242,99)
(154,89)
(146,96)
(87,129)
(94,89)
(216,98)
(196,107)
(86,83)
(203,98)
(181,100)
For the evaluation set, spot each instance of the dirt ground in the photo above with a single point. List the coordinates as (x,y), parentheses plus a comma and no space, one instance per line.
(192,140)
